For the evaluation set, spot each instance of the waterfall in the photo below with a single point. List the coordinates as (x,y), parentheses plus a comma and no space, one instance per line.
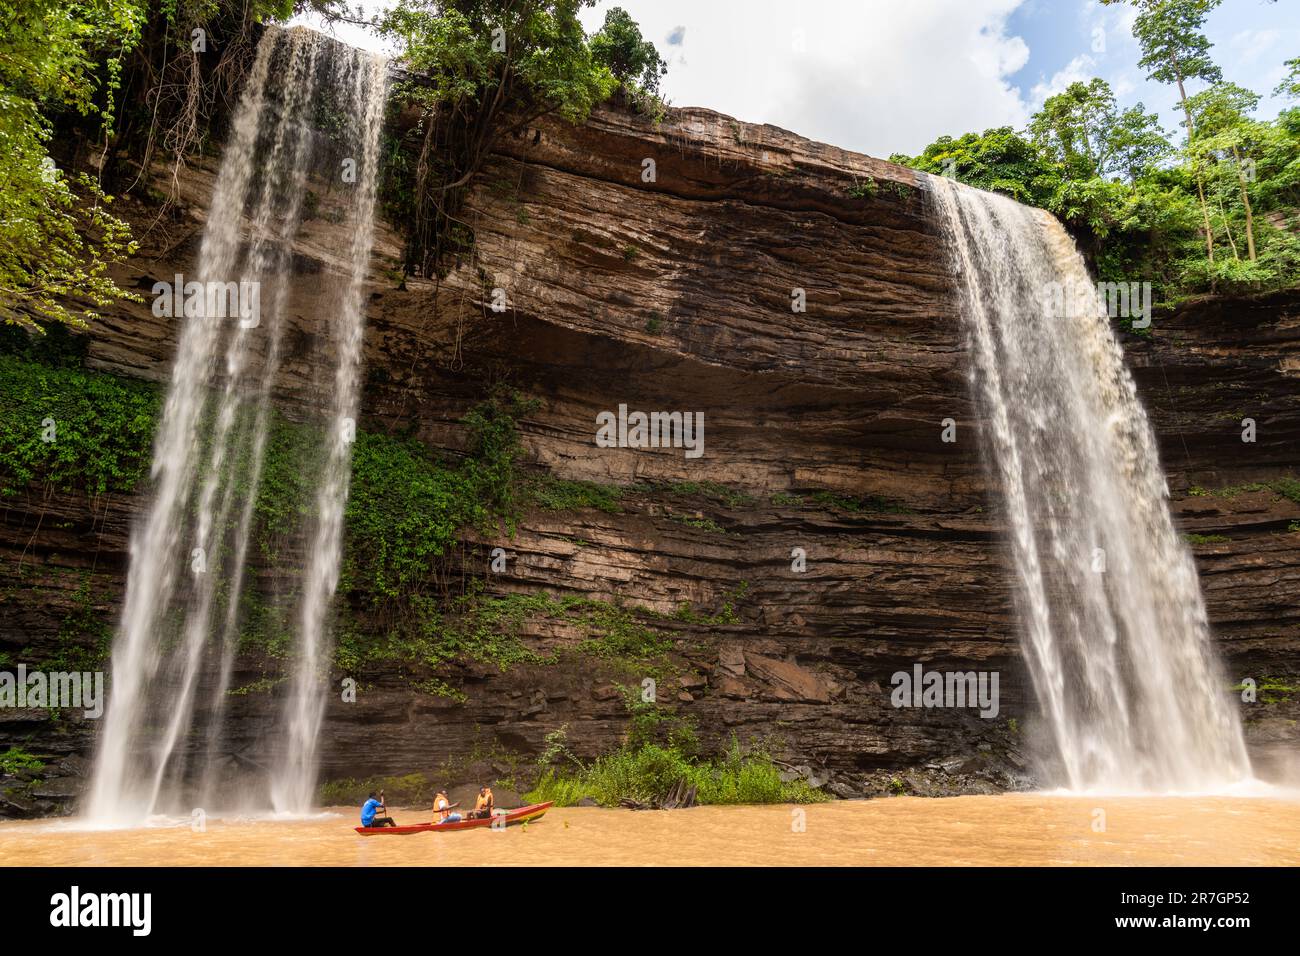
(174,652)
(1114,627)
(295,781)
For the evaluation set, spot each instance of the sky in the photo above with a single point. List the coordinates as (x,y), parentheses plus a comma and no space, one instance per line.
(891,76)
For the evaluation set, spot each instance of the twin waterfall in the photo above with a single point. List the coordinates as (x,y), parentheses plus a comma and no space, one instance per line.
(309,107)
(1113,624)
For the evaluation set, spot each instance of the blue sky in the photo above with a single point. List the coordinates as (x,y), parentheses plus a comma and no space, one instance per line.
(1251,40)
(884,76)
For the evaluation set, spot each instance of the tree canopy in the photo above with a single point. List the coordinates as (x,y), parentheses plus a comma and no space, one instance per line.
(632,59)
(57,236)
(1217,211)
(483,69)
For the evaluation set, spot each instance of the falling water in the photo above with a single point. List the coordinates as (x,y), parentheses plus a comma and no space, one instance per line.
(295,781)
(1115,628)
(180,624)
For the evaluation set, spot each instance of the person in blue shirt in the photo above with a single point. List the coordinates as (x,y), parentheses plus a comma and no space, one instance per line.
(375,803)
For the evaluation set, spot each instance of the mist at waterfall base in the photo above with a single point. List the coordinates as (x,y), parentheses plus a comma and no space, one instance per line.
(1113,625)
(309,106)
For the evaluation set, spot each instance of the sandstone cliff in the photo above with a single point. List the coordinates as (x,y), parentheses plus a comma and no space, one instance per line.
(823,433)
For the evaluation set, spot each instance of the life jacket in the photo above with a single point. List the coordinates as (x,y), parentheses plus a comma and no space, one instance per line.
(484,800)
(440,807)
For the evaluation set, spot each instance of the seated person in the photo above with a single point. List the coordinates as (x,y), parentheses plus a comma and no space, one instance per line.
(442,809)
(368,812)
(483,806)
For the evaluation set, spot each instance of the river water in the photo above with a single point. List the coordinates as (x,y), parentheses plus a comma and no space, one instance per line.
(1011,829)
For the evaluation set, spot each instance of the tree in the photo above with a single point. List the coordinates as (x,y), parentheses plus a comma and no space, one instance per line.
(1136,142)
(1223,128)
(1174,50)
(57,238)
(999,160)
(1289,88)
(483,69)
(633,60)
(1098,170)
(1083,130)
(1072,128)
(185,73)
(1289,119)
(1277,161)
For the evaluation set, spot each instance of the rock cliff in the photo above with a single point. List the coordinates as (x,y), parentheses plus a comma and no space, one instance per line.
(823,433)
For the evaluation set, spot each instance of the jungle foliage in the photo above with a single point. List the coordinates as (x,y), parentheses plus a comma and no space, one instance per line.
(1215,210)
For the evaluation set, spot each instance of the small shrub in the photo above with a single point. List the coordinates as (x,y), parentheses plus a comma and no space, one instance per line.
(704,524)
(556,494)
(645,773)
(864,188)
(15,759)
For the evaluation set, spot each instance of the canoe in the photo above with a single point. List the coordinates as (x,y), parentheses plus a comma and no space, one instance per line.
(511,817)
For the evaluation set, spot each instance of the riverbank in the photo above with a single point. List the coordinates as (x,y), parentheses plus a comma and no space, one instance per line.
(1013,830)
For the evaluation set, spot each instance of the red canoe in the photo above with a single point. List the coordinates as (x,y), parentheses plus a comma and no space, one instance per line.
(511,817)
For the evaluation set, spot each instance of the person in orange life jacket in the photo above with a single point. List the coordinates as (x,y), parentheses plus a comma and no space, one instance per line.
(442,809)
(484,804)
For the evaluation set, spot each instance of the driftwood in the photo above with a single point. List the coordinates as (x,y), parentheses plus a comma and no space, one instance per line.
(679,796)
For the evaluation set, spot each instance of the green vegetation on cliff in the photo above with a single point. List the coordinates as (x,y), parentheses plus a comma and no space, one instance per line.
(16,760)
(72,428)
(490,628)
(481,70)
(411,599)
(1286,487)
(57,236)
(408,508)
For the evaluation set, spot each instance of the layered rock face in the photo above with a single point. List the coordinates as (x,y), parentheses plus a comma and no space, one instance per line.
(1212,372)
(799,298)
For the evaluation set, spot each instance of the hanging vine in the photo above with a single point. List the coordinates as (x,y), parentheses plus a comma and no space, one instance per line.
(183,80)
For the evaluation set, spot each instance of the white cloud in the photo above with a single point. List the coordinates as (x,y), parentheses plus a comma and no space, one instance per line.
(879,76)
(1249,44)
(1079,70)
(884,76)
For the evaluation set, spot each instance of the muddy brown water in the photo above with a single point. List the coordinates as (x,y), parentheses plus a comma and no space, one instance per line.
(1010,829)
